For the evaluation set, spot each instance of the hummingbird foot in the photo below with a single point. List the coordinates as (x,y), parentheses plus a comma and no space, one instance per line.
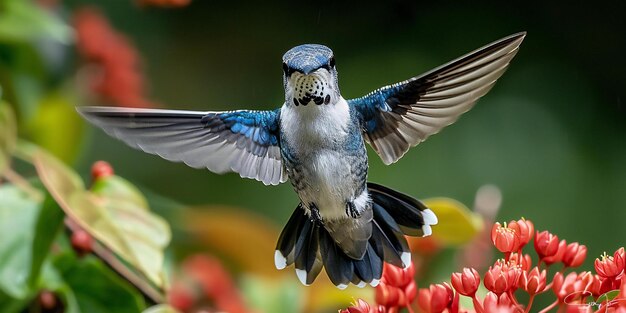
(315,215)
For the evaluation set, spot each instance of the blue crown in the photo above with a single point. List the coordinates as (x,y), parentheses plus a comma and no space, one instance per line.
(308,58)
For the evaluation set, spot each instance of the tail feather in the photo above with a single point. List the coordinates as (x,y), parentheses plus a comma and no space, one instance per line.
(413,217)
(339,266)
(285,248)
(370,267)
(308,261)
(311,246)
(395,250)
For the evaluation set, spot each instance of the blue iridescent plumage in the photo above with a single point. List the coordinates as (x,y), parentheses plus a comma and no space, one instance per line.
(307,58)
(259,126)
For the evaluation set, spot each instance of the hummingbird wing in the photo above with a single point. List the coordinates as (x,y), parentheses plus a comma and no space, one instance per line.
(245,142)
(402,115)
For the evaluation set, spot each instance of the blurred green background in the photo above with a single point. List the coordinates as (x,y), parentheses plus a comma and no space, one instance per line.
(551,134)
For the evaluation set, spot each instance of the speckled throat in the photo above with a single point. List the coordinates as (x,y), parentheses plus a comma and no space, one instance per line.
(309,88)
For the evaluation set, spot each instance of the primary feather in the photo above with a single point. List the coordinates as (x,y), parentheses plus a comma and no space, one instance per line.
(400,116)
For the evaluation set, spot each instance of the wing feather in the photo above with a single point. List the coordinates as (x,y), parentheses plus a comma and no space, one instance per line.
(238,141)
(402,115)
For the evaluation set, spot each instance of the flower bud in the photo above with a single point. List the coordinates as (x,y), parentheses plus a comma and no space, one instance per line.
(574,255)
(546,244)
(436,298)
(101,169)
(396,276)
(558,256)
(388,295)
(533,282)
(467,282)
(82,242)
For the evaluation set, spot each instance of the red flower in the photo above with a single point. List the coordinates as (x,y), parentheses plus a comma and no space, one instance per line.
(467,282)
(504,238)
(360,306)
(574,286)
(216,286)
(397,287)
(523,261)
(164,3)
(533,282)
(524,229)
(558,256)
(181,296)
(574,255)
(610,266)
(497,304)
(389,296)
(563,285)
(501,278)
(436,298)
(589,282)
(396,276)
(546,244)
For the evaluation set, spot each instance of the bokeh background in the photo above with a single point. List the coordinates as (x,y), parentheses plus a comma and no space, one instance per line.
(551,134)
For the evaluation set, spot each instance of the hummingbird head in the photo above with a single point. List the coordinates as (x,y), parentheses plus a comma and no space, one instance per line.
(310,76)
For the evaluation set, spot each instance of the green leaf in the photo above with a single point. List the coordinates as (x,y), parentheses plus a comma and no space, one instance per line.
(457,224)
(130,230)
(115,187)
(49,223)
(608,296)
(89,286)
(27,230)
(25,21)
(11,305)
(161,308)
(18,217)
(8,134)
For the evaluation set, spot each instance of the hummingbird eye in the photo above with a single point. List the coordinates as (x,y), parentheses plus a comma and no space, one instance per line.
(332,62)
(285,68)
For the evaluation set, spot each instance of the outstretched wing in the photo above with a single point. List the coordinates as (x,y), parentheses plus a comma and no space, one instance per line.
(245,142)
(402,115)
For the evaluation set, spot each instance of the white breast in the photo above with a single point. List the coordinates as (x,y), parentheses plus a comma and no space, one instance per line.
(311,127)
(315,134)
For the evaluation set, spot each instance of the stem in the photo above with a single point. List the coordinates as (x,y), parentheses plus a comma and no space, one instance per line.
(512,298)
(23,184)
(477,306)
(111,259)
(530,303)
(549,307)
(408,307)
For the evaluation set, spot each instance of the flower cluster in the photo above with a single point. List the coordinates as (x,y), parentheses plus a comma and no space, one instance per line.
(116,74)
(204,281)
(515,274)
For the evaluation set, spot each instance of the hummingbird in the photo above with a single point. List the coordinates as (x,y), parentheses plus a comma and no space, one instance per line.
(316,140)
